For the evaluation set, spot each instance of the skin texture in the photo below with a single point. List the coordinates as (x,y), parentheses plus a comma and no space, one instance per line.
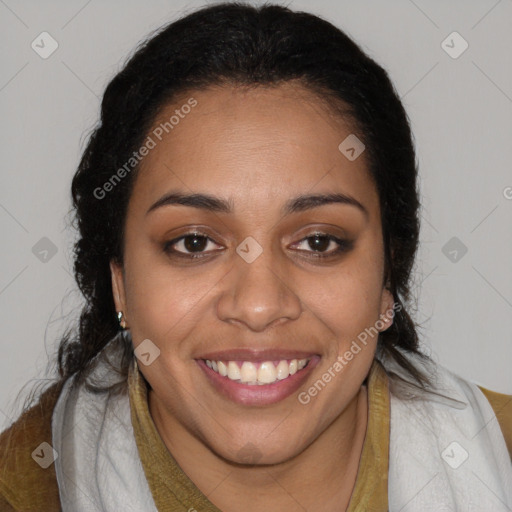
(257,148)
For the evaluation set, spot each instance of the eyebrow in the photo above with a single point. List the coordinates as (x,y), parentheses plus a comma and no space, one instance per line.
(211,203)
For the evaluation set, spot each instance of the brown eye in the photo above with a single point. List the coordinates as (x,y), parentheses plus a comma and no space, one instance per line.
(320,243)
(195,243)
(189,245)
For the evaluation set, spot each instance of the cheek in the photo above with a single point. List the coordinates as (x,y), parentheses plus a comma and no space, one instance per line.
(166,303)
(347,301)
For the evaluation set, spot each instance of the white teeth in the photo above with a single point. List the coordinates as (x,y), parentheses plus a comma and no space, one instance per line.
(223,369)
(283,370)
(267,373)
(233,371)
(250,373)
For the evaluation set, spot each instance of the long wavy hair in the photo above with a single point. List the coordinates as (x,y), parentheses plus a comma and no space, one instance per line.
(239,44)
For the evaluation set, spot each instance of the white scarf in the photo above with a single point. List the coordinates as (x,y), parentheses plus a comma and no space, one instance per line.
(447,451)
(98,466)
(99,470)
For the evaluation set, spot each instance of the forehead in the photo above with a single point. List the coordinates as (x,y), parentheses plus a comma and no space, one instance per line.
(256,146)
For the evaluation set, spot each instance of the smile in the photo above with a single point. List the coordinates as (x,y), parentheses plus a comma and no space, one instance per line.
(257,378)
(257,373)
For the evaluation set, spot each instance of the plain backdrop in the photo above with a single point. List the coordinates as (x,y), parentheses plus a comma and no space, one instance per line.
(459,105)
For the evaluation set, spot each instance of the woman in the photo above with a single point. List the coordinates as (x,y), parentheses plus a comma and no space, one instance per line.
(248,220)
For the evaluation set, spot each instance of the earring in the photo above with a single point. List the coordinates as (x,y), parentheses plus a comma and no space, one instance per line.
(121,320)
(384,318)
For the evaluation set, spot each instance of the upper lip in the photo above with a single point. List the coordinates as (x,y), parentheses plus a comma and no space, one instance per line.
(244,354)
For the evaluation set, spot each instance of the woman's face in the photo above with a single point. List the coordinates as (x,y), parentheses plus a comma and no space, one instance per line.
(254,287)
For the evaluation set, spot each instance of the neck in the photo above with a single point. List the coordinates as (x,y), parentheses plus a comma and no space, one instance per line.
(321,477)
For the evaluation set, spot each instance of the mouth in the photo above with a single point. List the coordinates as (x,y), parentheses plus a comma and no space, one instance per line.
(260,373)
(257,378)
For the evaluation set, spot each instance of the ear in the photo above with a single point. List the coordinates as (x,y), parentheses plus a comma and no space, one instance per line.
(387,312)
(118,291)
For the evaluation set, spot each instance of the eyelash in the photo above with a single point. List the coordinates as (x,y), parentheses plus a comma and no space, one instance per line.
(343,246)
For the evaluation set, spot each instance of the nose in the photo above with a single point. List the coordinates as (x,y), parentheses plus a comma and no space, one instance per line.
(258,294)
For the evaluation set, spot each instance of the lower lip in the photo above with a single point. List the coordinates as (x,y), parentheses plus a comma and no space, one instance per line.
(253,395)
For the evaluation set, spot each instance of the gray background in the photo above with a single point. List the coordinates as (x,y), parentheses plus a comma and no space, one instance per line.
(460,110)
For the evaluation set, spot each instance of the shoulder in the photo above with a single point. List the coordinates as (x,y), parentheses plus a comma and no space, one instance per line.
(447,385)
(502,406)
(26,485)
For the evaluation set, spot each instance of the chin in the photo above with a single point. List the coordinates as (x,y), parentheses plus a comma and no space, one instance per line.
(259,452)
